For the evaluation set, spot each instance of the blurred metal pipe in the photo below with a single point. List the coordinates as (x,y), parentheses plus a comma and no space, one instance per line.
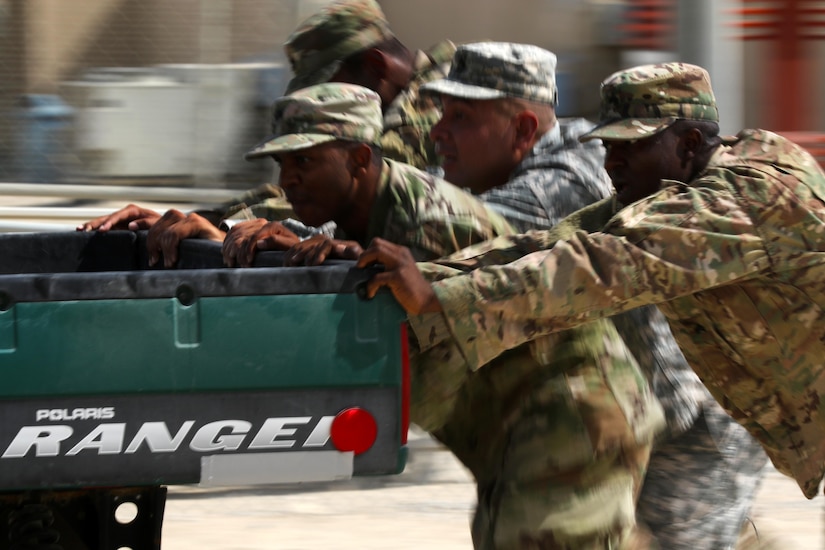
(32,227)
(52,212)
(123,193)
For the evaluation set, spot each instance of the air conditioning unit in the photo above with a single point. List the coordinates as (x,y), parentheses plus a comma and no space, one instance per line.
(231,105)
(131,123)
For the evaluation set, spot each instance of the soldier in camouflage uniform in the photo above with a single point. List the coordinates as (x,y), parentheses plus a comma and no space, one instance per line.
(346,41)
(351,41)
(500,138)
(724,235)
(556,433)
(327,143)
(705,468)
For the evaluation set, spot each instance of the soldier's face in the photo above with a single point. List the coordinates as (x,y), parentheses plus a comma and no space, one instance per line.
(317,182)
(474,138)
(637,167)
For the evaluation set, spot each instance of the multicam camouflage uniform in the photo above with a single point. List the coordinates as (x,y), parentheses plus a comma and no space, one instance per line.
(315,51)
(430,216)
(410,117)
(265,201)
(705,468)
(556,432)
(733,259)
(318,47)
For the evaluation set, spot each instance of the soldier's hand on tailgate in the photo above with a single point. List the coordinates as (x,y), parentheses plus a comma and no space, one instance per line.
(165,235)
(131,217)
(400,276)
(245,239)
(317,249)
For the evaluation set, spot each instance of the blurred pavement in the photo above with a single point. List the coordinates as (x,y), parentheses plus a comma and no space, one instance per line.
(427,506)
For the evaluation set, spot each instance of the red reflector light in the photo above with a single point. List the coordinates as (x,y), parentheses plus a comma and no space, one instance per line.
(353,430)
(405,384)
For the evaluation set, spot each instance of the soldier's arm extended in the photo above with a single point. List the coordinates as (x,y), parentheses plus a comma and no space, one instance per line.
(675,243)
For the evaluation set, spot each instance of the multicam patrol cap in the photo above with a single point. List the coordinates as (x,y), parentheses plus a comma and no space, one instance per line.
(318,46)
(642,101)
(320,114)
(493,70)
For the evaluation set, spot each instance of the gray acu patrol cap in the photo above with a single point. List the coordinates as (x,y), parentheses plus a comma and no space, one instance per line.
(642,101)
(493,70)
(340,29)
(320,114)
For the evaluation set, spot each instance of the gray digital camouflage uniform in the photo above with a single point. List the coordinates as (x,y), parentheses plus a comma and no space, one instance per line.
(556,432)
(733,259)
(559,177)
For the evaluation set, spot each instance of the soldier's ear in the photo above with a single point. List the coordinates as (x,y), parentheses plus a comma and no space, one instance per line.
(375,63)
(526,125)
(693,139)
(360,158)
(690,145)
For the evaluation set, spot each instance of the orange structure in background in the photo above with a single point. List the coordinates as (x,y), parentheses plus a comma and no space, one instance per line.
(814,142)
(789,25)
(649,25)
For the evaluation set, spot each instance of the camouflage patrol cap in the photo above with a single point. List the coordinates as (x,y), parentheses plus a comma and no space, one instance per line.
(318,46)
(320,114)
(642,101)
(493,70)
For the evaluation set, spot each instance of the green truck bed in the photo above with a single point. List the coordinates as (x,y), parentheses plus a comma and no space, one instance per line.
(117,375)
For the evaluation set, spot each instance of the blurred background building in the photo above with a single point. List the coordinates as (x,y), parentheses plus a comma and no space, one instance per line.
(153,92)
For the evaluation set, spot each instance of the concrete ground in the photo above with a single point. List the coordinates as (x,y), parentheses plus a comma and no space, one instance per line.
(427,506)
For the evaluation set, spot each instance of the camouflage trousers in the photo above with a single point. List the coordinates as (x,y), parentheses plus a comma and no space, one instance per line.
(558,435)
(700,485)
(587,508)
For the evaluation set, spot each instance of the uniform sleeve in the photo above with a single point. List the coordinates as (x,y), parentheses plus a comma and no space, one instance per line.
(437,238)
(678,242)
(238,208)
(436,219)
(432,329)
